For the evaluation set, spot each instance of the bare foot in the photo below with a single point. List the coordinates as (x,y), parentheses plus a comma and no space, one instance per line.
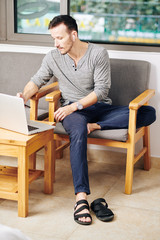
(82,196)
(92,126)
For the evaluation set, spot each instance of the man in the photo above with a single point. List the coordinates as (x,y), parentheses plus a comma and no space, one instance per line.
(83,73)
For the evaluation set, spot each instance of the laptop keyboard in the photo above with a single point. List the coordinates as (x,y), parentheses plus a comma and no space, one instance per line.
(31,128)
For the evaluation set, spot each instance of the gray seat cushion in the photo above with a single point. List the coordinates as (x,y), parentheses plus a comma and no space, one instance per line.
(118,135)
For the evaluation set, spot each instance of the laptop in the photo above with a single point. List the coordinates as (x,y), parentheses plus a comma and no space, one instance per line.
(13,116)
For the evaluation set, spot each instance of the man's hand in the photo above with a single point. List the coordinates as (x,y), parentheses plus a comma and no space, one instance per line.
(63,112)
(29,90)
(87,101)
(20,95)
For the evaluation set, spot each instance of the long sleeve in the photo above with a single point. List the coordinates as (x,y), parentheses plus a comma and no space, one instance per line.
(102,78)
(44,74)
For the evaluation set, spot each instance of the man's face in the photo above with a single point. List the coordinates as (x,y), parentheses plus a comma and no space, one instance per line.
(63,38)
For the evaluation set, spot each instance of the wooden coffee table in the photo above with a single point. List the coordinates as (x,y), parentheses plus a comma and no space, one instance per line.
(14,181)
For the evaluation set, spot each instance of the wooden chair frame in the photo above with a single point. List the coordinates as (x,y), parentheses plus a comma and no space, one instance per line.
(134,135)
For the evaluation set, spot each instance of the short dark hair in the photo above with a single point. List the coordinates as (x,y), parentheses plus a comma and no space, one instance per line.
(66,20)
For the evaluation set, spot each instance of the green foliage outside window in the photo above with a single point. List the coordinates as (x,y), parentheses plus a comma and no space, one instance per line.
(135,21)
(117,21)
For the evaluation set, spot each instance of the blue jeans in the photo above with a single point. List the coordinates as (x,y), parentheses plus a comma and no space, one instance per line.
(108,117)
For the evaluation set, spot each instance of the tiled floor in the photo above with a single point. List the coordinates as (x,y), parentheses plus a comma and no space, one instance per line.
(137,216)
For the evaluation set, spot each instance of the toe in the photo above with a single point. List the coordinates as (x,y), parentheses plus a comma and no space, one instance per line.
(88,219)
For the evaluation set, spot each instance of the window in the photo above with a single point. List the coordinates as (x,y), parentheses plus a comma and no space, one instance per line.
(26,20)
(120,22)
(34,16)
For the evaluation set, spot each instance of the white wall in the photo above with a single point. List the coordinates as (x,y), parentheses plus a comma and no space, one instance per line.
(152,57)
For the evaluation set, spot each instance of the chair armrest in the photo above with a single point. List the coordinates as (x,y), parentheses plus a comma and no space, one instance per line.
(35,99)
(54,96)
(142,99)
(134,105)
(45,90)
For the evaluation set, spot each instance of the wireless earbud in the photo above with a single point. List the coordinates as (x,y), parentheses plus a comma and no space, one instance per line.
(73,38)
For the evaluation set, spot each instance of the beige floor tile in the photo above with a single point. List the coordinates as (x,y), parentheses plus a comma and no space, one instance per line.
(102,177)
(137,216)
(46,218)
(145,194)
(129,224)
(34,236)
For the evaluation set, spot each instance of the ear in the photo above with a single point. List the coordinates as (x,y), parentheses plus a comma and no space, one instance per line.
(74,35)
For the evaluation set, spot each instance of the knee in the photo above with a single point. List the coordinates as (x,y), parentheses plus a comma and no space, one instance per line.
(146,116)
(75,125)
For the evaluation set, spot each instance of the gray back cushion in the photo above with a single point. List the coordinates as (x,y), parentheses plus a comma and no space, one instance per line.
(129,78)
(16,69)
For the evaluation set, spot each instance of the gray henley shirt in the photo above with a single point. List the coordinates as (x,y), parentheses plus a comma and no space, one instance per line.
(92,73)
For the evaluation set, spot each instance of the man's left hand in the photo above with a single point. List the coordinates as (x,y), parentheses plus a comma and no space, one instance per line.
(63,112)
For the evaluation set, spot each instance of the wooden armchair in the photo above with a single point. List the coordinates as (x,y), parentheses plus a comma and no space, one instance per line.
(129,87)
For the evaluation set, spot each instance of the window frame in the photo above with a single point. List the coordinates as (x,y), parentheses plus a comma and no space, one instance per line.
(36,39)
(7,34)
(3,33)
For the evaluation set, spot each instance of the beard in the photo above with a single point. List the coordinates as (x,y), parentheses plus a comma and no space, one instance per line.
(67,49)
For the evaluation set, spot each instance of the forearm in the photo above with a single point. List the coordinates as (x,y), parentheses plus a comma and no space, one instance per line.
(87,101)
(29,90)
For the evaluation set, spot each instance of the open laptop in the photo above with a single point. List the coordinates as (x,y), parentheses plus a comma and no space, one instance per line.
(13,116)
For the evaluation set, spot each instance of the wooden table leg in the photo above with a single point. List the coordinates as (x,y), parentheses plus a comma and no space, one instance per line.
(54,159)
(23,184)
(32,161)
(48,168)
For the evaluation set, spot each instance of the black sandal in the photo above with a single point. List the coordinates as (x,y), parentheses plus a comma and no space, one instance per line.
(101,210)
(77,216)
